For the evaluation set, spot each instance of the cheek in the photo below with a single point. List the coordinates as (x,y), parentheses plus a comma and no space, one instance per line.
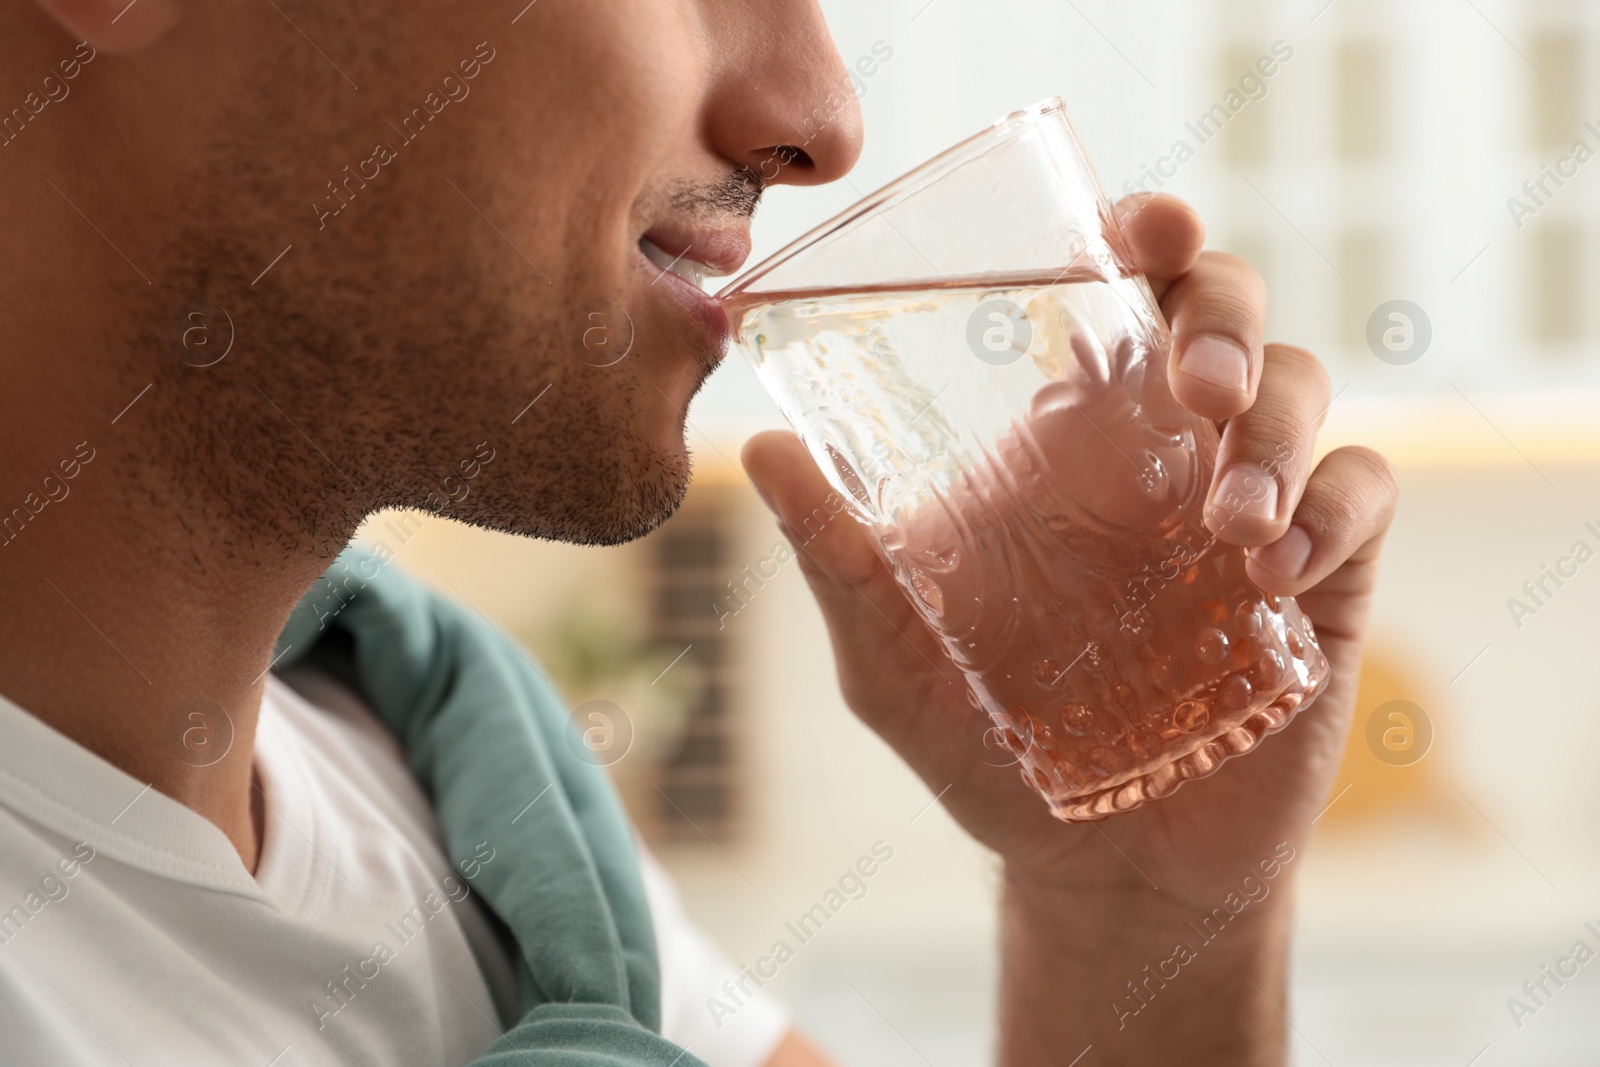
(598,105)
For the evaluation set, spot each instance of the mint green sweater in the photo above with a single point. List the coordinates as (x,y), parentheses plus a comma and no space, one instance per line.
(484,732)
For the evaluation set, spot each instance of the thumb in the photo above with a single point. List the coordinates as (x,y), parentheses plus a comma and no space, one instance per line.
(876,633)
(811,512)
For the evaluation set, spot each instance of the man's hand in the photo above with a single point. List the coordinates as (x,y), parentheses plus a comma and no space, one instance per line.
(1089,905)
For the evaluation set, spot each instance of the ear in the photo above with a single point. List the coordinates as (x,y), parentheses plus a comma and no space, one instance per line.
(114,25)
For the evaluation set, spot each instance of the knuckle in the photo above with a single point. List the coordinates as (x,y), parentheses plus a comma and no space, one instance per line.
(1211,294)
(1331,515)
(1237,269)
(1376,471)
(1212,307)
(1270,432)
(1274,426)
(1301,365)
(1357,494)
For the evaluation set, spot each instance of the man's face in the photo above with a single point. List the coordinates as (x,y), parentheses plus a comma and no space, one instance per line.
(466,198)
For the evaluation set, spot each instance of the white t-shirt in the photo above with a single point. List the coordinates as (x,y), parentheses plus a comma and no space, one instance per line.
(131,932)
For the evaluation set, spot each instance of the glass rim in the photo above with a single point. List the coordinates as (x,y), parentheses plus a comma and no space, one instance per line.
(1003,128)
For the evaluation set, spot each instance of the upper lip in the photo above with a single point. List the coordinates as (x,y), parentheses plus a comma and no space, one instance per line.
(721,249)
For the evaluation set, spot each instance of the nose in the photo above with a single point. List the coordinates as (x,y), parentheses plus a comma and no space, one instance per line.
(783,103)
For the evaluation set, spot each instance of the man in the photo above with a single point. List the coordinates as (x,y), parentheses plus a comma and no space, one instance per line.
(272,267)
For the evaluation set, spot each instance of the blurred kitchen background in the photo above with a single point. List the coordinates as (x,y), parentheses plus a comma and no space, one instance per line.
(1378,163)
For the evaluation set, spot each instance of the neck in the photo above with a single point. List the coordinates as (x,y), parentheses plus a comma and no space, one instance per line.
(152,541)
(143,633)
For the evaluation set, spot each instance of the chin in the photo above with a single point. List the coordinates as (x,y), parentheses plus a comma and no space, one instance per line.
(595,498)
(627,515)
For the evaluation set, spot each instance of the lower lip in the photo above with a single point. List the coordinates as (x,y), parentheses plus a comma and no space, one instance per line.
(706,310)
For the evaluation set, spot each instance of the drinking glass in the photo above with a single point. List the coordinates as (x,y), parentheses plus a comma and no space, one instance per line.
(979,370)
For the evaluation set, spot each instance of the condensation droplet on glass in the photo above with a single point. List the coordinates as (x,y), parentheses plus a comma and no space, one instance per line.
(1047,671)
(1211,646)
(1248,618)
(1269,666)
(1236,692)
(1077,720)
(1094,657)
(1137,625)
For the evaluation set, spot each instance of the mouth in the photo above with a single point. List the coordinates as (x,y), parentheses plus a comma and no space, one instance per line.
(688,259)
(695,257)
(680,266)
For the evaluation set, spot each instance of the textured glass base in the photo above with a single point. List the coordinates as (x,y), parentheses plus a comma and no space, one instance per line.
(1203,760)
(1254,663)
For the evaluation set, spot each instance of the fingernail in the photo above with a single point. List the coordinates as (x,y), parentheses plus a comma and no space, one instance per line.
(1218,361)
(1288,555)
(1245,489)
